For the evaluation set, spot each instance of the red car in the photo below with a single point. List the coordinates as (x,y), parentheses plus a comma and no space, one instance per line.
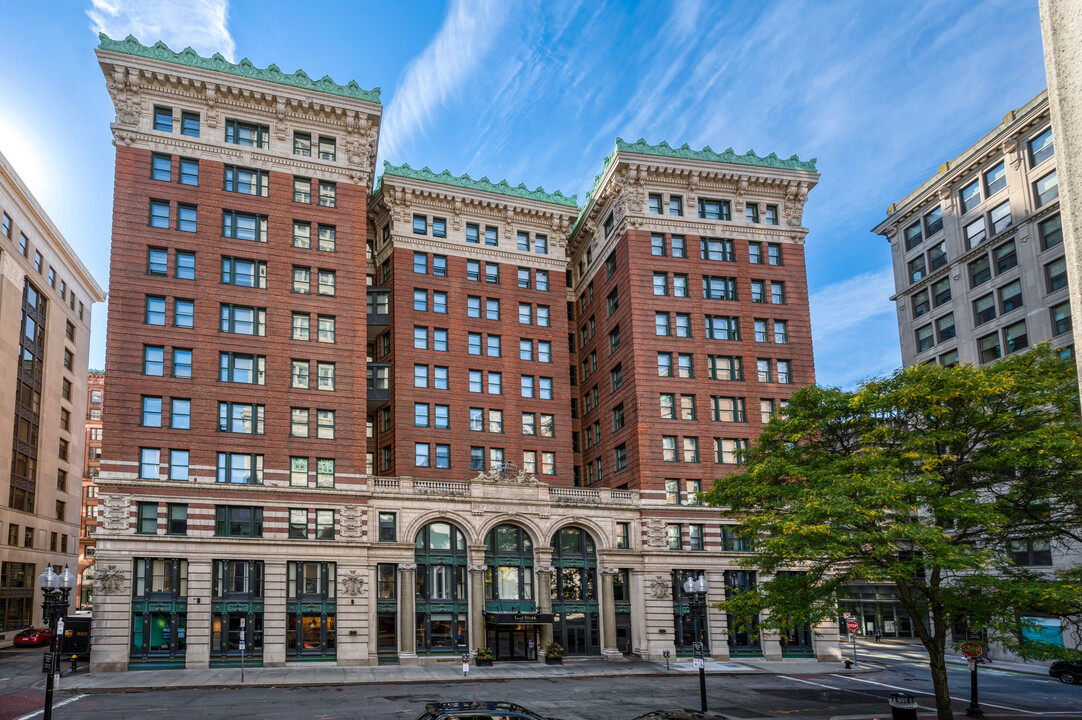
(33,637)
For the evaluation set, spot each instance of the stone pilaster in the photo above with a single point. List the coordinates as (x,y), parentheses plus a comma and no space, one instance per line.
(200,579)
(112,614)
(477,605)
(825,641)
(274,614)
(352,615)
(543,591)
(608,613)
(407,610)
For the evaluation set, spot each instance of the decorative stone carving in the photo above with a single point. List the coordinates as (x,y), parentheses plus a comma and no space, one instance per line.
(116,512)
(795,197)
(351,521)
(109,579)
(655,533)
(945,193)
(1010,150)
(407,567)
(477,568)
(608,570)
(660,588)
(352,583)
(546,569)
(507,475)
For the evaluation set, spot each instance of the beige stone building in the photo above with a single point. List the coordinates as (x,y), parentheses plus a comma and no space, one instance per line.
(978,255)
(46,294)
(980,273)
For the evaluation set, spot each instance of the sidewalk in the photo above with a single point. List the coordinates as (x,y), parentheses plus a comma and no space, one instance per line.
(310,674)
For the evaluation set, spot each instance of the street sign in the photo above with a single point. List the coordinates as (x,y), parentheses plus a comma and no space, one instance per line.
(974,635)
(699,663)
(465,667)
(972,649)
(60,627)
(847,615)
(972,662)
(852,625)
(47,663)
(697,650)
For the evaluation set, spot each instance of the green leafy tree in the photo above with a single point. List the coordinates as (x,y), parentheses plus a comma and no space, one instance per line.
(926,480)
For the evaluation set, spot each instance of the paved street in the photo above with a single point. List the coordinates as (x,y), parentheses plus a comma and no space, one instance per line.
(1003,693)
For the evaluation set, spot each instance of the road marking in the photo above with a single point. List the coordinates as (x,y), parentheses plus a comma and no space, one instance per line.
(809,682)
(925,692)
(55,705)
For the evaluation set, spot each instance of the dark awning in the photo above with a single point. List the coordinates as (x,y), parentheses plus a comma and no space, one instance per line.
(523,618)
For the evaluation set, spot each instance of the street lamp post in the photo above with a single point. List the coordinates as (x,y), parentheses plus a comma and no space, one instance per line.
(54,605)
(696,591)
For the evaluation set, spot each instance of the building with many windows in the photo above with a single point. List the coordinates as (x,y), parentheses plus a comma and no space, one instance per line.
(547,386)
(88,523)
(46,294)
(980,273)
(979,267)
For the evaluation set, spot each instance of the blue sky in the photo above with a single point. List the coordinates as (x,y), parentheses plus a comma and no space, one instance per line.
(536,91)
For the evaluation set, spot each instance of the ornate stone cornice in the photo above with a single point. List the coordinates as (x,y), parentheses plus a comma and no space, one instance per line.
(190,58)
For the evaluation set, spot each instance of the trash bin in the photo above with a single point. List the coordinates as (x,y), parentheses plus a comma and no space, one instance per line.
(903,706)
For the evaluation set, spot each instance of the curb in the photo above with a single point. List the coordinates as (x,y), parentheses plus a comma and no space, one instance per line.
(418,681)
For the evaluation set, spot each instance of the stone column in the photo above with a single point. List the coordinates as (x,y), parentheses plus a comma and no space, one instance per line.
(543,592)
(1061,30)
(274,614)
(200,582)
(407,610)
(608,614)
(477,605)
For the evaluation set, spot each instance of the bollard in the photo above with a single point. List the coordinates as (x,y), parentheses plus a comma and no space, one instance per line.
(903,706)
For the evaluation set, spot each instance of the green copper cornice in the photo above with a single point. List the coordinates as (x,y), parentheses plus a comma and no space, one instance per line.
(188,57)
(484,184)
(663,149)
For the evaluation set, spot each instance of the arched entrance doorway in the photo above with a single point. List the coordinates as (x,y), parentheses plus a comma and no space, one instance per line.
(442,601)
(511,621)
(576,624)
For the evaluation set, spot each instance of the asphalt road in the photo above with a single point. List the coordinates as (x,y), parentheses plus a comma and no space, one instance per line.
(743,697)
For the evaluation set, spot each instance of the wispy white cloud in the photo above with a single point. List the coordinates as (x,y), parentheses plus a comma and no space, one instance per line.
(469,32)
(853,329)
(200,24)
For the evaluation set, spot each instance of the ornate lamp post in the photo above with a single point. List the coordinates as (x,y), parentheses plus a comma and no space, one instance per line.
(54,605)
(696,591)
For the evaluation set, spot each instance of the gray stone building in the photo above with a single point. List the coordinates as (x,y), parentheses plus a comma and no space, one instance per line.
(980,273)
(45,298)
(979,268)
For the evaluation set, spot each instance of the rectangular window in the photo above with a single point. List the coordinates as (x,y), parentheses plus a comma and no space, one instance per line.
(159,215)
(725,367)
(187,218)
(970,196)
(1051,232)
(176,519)
(242,320)
(240,468)
(163,119)
(247,181)
(751,213)
(249,134)
(717,249)
(180,414)
(235,417)
(755,253)
(655,203)
(249,369)
(1000,217)
(328,194)
(720,327)
(917,268)
(1015,337)
(1056,275)
(151,412)
(944,327)
(730,451)
(719,288)
(714,209)
(988,346)
(189,172)
(980,271)
(937,256)
(1006,257)
(189,124)
(326,329)
(695,537)
(298,523)
(302,189)
(933,222)
(995,179)
(298,422)
(925,338)
(785,377)
(153,360)
(1061,318)
(387,527)
(1040,148)
(238,521)
(244,273)
(675,534)
(327,150)
(1047,189)
(161,167)
(149,462)
(182,363)
(147,518)
(302,234)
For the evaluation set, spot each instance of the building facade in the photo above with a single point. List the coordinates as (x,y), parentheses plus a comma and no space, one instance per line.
(88,522)
(979,267)
(980,273)
(46,294)
(237,524)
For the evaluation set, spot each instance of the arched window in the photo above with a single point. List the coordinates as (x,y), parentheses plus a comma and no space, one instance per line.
(442,603)
(576,625)
(509,557)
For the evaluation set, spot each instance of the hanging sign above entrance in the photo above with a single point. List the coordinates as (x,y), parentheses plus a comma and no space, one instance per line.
(519,618)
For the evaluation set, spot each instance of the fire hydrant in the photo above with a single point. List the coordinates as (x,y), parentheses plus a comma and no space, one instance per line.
(74,662)
(848,663)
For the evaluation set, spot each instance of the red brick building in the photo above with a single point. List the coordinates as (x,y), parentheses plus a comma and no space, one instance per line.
(543,385)
(88,522)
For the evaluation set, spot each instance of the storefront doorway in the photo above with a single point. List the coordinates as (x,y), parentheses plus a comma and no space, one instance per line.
(514,642)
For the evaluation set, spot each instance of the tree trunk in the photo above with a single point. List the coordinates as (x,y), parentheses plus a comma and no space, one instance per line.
(937,662)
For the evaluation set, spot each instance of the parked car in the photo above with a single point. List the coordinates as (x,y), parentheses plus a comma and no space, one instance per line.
(681,714)
(478,710)
(32,637)
(1067,671)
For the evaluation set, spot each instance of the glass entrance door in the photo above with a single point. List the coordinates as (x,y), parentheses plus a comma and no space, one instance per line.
(516,642)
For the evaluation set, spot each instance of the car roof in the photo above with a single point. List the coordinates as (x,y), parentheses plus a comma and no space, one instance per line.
(475,705)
